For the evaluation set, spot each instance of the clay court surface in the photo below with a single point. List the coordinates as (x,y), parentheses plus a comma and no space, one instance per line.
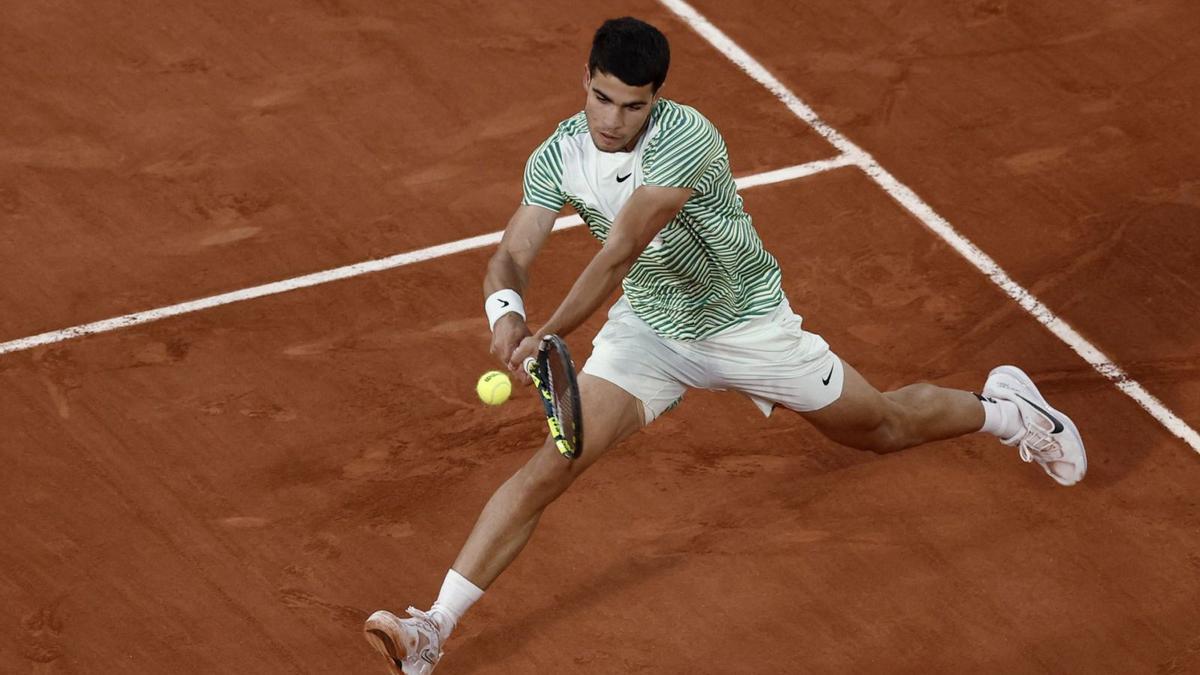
(234,490)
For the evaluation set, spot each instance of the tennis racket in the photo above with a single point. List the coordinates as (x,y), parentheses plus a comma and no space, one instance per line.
(553,373)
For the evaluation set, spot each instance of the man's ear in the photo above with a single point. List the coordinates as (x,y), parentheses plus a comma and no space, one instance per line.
(587,78)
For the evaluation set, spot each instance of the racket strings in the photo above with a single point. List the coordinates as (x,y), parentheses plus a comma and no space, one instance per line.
(559,373)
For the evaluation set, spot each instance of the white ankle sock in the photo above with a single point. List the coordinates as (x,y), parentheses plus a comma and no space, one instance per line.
(1000,418)
(456,597)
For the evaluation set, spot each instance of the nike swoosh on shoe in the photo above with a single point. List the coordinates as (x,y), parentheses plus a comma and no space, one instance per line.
(1058,425)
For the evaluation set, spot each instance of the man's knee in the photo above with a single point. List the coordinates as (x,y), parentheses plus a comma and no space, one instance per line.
(883,435)
(893,431)
(873,430)
(881,440)
(914,397)
(545,476)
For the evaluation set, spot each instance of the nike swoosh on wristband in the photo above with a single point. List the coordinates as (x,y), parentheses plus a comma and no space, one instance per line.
(503,302)
(1058,426)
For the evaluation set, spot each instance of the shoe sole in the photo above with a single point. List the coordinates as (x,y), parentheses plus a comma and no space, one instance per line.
(383,643)
(1019,375)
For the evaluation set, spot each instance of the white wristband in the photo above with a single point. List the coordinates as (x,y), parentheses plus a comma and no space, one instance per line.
(502,302)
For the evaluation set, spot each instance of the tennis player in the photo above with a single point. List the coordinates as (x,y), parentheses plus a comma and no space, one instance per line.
(702,308)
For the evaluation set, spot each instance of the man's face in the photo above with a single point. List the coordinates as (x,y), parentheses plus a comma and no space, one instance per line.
(616,112)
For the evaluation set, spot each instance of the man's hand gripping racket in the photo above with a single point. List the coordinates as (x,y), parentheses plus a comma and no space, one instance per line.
(553,375)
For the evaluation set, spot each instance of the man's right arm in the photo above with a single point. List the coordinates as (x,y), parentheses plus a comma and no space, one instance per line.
(509,267)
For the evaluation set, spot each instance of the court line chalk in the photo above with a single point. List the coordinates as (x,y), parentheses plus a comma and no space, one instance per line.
(903,195)
(358,269)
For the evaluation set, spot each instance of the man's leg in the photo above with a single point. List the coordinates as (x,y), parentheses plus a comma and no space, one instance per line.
(1011,409)
(510,516)
(413,645)
(866,419)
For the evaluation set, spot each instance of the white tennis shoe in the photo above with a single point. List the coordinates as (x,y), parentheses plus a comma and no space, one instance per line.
(1047,437)
(413,646)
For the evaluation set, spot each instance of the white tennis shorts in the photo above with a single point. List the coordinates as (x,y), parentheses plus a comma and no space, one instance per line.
(770,359)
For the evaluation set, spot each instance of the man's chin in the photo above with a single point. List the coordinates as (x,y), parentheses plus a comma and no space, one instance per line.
(605,145)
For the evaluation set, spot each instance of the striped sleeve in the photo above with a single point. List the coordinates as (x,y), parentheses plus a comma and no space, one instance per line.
(685,147)
(543,177)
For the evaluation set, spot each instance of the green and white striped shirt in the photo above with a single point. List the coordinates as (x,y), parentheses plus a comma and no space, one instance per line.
(707,269)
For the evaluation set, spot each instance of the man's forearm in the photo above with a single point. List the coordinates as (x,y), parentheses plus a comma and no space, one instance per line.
(504,272)
(591,289)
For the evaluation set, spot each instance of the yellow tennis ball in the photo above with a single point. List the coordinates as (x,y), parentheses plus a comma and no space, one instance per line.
(494,387)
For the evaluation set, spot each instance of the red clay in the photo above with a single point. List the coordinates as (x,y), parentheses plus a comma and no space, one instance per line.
(233,491)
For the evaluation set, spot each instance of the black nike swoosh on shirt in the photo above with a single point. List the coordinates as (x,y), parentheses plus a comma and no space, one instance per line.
(622,179)
(1058,426)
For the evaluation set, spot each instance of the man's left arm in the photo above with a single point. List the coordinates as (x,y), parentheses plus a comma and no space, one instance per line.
(646,213)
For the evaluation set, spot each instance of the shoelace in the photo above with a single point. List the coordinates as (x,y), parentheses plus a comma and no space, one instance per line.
(1039,444)
(1036,443)
(423,617)
(427,623)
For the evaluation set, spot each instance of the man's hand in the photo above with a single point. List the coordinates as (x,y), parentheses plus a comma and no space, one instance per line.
(510,331)
(528,348)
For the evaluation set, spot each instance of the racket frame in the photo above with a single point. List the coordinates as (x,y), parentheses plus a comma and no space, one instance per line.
(539,371)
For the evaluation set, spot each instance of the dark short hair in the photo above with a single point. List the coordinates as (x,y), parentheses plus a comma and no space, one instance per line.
(631,50)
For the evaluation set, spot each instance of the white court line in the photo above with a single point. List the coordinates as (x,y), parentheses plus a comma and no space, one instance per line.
(794,172)
(939,225)
(357,269)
